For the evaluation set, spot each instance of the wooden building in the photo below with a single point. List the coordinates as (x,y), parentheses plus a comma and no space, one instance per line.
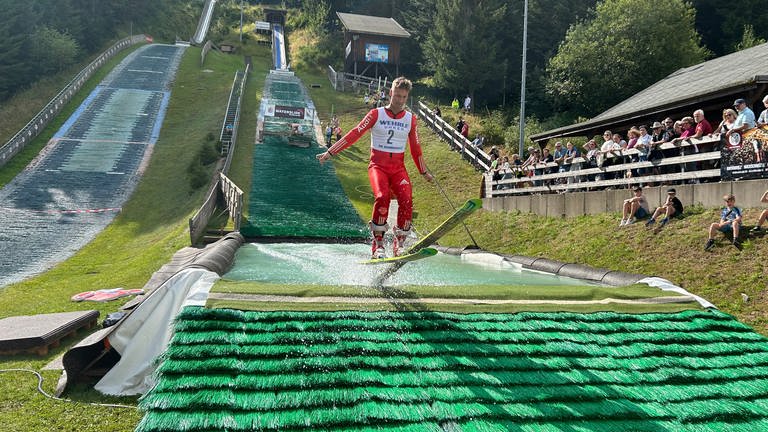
(371,45)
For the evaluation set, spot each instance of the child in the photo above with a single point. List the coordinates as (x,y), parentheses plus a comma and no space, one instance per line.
(730,222)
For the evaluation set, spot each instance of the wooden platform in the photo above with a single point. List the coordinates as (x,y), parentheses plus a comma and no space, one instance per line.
(36,334)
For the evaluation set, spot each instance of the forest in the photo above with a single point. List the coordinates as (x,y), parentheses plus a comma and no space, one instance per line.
(583,56)
(43,37)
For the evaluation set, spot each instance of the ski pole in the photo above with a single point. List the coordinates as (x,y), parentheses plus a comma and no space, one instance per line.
(466,228)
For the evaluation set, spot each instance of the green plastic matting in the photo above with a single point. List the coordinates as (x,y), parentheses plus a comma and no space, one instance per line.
(426,371)
(292,195)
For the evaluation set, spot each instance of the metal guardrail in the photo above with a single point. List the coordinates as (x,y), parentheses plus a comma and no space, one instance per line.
(233,198)
(35,126)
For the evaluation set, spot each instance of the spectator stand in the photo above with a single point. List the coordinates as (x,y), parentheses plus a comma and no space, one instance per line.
(474,155)
(698,161)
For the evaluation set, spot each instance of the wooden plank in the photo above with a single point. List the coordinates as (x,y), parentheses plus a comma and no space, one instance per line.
(677,160)
(689,175)
(38,333)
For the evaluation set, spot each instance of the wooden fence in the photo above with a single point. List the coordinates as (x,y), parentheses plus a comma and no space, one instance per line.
(691,160)
(472,154)
(222,187)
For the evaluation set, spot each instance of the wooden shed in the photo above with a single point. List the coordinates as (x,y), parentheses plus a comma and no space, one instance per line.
(371,44)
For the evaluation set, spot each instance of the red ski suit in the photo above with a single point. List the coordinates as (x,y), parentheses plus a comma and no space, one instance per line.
(386,171)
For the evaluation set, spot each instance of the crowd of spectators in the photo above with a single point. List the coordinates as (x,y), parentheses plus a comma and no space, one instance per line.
(648,146)
(648,143)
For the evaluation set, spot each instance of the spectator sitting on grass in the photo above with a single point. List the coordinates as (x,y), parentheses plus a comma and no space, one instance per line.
(478,141)
(730,222)
(634,208)
(672,207)
(763,214)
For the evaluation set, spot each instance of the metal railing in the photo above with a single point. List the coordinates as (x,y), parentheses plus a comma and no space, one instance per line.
(35,126)
(228,134)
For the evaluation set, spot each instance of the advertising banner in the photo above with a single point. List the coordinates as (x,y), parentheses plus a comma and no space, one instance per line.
(743,156)
(377,53)
(285,111)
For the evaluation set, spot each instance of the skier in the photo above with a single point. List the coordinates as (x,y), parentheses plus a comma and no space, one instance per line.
(391,128)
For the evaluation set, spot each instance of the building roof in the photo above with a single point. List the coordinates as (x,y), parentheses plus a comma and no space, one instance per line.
(728,75)
(372,25)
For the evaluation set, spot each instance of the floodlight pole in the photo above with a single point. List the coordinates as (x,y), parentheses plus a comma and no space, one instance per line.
(241,21)
(522,80)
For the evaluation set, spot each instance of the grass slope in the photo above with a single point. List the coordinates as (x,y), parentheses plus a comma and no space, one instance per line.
(151,227)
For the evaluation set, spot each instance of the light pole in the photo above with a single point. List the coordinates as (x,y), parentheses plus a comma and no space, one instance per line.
(241,21)
(522,80)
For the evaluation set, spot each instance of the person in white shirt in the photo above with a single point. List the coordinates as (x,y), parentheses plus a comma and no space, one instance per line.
(763,119)
(744,120)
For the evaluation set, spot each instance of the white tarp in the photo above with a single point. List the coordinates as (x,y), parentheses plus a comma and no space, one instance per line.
(146,332)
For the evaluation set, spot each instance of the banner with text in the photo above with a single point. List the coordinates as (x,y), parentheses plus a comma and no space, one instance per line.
(743,157)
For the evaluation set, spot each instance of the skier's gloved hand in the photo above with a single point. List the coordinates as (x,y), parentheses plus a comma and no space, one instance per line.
(322,157)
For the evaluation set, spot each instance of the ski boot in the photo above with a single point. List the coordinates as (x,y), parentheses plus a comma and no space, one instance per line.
(377,245)
(398,245)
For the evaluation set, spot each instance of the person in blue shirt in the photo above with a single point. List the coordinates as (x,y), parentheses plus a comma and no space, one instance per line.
(730,222)
(745,119)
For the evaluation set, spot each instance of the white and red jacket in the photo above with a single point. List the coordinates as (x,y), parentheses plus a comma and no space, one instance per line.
(389,135)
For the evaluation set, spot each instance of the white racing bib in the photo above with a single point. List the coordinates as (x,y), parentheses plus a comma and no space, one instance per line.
(390,135)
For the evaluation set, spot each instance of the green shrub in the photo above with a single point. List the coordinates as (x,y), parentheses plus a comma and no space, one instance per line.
(198,175)
(208,154)
(326,51)
(492,127)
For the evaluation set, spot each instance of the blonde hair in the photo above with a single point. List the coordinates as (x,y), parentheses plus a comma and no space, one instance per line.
(402,83)
(728,111)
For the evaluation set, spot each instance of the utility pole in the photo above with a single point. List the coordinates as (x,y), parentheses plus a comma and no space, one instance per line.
(522,81)
(241,21)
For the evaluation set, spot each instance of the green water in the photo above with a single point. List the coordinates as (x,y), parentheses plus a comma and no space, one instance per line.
(339,264)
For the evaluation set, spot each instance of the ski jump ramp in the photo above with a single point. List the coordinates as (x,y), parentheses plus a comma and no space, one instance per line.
(205,22)
(77,184)
(278,47)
